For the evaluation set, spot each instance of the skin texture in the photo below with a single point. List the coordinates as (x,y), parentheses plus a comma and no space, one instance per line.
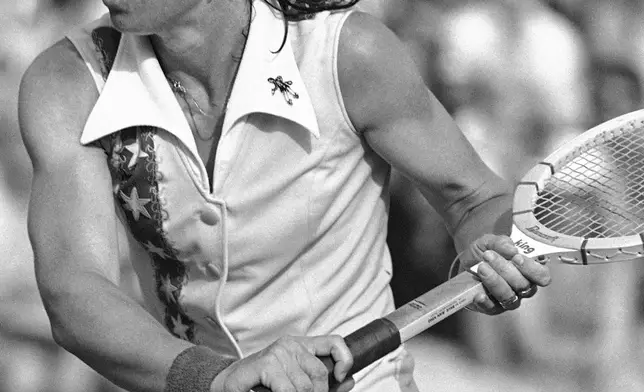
(72,227)
(72,221)
(404,123)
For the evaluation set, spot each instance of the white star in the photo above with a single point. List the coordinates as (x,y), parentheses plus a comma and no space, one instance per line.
(136,151)
(179,328)
(168,289)
(156,250)
(134,204)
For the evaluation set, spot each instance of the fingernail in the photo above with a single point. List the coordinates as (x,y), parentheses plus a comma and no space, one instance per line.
(517,260)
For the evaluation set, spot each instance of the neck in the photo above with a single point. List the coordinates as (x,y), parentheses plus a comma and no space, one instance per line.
(202,51)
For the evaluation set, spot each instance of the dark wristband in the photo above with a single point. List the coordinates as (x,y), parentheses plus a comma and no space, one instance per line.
(194,369)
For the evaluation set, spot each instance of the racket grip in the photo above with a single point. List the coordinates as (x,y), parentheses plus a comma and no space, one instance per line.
(367,345)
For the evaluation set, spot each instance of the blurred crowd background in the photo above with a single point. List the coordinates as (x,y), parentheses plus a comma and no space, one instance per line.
(520,78)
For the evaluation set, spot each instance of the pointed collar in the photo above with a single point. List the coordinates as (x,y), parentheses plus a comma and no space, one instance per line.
(136,92)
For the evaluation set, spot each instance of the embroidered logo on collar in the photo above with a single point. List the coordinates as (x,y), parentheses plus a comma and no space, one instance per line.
(285,88)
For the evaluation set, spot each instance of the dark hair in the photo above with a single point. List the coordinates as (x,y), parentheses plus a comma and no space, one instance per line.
(297,9)
(302,9)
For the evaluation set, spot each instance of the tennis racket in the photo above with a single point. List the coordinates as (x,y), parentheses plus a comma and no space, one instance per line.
(582,205)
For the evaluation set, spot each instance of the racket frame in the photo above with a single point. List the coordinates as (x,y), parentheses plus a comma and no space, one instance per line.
(545,245)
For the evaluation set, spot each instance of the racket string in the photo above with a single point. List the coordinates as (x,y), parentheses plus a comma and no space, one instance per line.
(599,192)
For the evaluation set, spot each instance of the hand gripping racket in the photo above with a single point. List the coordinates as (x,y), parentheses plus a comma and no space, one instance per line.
(584,204)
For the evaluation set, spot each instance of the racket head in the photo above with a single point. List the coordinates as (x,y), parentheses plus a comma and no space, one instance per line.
(587,198)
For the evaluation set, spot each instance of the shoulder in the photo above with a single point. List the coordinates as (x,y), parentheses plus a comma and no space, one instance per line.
(376,72)
(61,60)
(57,93)
(362,35)
(56,74)
(367,41)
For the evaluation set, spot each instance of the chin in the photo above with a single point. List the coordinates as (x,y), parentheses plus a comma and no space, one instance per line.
(122,18)
(126,24)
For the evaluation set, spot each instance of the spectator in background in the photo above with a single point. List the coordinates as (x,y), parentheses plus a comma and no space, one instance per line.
(516,73)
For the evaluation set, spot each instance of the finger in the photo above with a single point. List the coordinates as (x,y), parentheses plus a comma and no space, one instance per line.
(280,383)
(344,386)
(503,245)
(497,287)
(528,292)
(292,357)
(317,373)
(336,347)
(532,270)
(484,304)
(507,270)
(270,374)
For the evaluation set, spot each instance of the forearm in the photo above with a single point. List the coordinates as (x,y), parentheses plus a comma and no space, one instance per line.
(72,226)
(94,320)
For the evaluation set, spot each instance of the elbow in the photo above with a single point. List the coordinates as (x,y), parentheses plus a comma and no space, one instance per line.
(57,306)
(60,335)
(59,331)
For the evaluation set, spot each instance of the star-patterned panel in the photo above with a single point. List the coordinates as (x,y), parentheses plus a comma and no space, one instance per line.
(134,171)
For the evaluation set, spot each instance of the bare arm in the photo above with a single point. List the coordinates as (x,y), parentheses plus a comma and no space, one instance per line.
(72,227)
(402,121)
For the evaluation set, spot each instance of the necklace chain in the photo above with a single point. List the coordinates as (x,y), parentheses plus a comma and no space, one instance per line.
(178,88)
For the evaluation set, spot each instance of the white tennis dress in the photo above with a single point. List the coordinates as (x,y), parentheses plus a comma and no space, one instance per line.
(291,239)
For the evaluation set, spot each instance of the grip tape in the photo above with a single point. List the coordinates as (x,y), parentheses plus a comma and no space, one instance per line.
(372,342)
(367,345)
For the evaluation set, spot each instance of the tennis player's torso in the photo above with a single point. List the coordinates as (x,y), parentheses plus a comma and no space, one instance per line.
(291,237)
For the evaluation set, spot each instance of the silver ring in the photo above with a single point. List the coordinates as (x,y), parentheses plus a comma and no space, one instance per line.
(529,292)
(511,304)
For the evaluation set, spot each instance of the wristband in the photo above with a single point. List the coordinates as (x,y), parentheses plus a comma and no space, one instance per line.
(194,369)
